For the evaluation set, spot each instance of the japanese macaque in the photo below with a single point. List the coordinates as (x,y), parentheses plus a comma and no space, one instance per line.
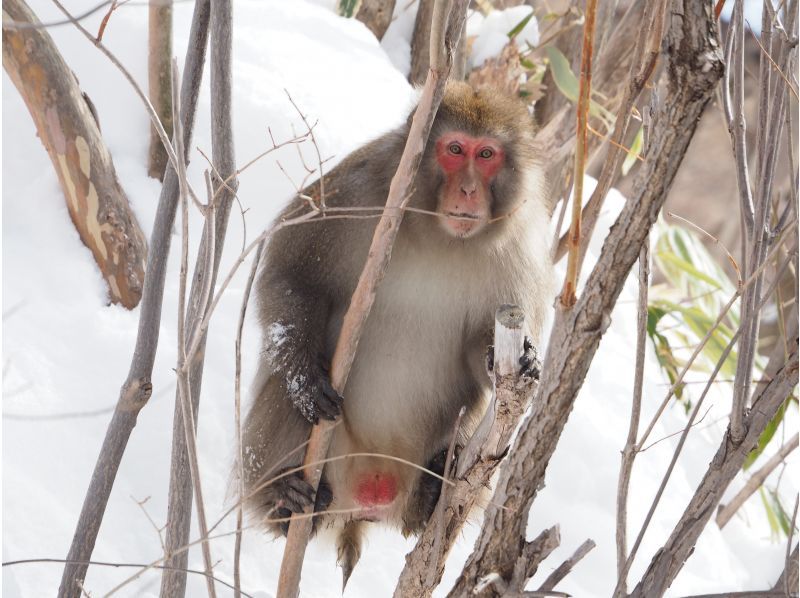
(476,237)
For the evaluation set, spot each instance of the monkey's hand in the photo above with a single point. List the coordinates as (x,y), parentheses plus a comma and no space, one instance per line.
(531,367)
(313,395)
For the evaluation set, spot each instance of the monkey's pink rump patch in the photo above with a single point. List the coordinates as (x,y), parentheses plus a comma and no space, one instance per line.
(376,489)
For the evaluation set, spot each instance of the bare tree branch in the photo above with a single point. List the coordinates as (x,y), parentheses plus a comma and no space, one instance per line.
(754,483)
(787,582)
(574,236)
(725,465)
(137,387)
(629,451)
(159,52)
(693,69)
(173,582)
(567,566)
(238,422)
(116,566)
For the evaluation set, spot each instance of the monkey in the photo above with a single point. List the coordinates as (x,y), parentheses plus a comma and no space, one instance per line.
(475,236)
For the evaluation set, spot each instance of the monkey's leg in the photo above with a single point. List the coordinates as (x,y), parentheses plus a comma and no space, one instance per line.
(348,548)
(425,496)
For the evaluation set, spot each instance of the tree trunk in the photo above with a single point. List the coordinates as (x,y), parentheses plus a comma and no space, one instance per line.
(159,54)
(420,42)
(67,126)
(376,15)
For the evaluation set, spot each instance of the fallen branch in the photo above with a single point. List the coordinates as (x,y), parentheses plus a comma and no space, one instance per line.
(67,126)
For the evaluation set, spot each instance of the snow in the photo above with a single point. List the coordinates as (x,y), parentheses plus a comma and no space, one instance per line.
(491,32)
(66,352)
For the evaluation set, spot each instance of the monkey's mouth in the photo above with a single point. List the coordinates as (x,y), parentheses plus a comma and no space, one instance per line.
(463,224)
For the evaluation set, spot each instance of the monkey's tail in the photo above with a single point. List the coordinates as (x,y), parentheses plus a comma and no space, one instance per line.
(348,548)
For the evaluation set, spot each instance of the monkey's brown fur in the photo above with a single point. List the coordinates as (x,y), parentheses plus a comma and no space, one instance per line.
(421,357)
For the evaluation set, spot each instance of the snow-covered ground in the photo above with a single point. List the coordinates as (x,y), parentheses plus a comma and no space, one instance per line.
(66,352)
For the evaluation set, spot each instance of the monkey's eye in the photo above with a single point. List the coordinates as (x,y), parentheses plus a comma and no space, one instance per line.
(486,153)
(454,148)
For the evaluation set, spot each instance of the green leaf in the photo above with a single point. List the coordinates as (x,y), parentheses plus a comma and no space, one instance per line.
(780,513)
(687,267)
(654,314)
(349,8)
(636,148)
(700,323)
(567,84)
(520,26)
(663,350)
(772,519)
(766,435)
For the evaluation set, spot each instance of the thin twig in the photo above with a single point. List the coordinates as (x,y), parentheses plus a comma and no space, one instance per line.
(698,349)
(238,422)
(184,396)
(647,48)
(566,567)
(116,565)
(140,504)
(723,357)
(584,93)
(716,240)
(629,451)
(104,22)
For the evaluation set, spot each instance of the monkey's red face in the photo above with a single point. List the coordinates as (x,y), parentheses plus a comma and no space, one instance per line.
(469,165)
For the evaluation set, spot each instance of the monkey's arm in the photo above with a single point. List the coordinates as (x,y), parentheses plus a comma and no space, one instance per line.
(294,309)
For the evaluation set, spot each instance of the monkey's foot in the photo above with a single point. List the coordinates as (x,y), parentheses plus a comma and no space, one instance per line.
(293,494)
(427,493)
(531,367)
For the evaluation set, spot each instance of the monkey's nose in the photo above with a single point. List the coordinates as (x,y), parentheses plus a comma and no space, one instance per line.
(468,190)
